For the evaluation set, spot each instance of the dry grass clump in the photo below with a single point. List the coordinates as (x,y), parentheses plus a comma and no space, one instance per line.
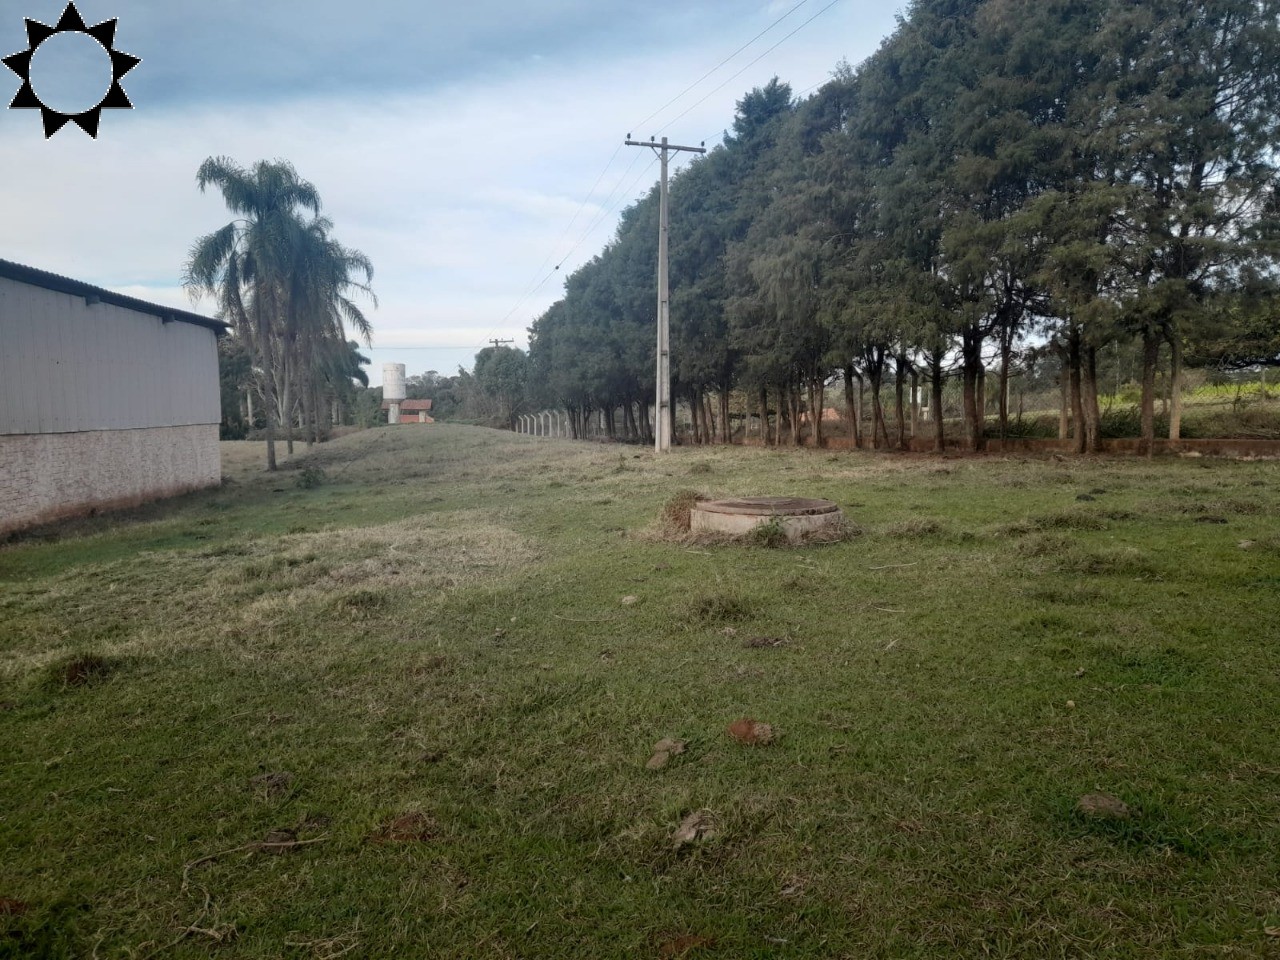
(915,528)
(1068,520)
(437,552)
(1230,505)
(1120,561)
(675,515)
(726,605)
(1043,545)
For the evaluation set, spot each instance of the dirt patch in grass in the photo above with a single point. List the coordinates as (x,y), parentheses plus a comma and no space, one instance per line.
(763,643)
(81,670)
(676,946)
(413,827)
(751,733)
(275,784)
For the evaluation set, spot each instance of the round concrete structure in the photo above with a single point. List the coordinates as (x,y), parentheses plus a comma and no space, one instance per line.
(799,517)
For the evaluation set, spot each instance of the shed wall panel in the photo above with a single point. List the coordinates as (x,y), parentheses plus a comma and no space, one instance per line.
(66,366)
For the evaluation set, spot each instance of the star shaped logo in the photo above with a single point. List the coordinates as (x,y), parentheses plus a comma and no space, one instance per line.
(71,22)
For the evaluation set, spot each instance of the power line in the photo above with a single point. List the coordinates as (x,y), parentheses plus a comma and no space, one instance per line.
(537,285)
(609,206)
(753,62)
(637,126)
(608,210)
(590,229)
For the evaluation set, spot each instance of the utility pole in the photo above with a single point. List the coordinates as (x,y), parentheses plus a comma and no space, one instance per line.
(663,413)
(498,343)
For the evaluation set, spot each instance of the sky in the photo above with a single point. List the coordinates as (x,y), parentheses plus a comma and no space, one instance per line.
(466,148)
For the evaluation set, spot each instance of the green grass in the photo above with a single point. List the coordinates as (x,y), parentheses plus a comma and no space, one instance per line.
(436,627)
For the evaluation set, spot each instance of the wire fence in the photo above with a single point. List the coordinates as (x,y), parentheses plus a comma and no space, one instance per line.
(1241,407)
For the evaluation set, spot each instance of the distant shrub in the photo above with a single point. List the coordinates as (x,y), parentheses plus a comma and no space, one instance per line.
(309,478)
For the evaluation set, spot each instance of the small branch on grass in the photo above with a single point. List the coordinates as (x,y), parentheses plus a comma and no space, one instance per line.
(887,610)
(896,566)
(246,847)
(577,620)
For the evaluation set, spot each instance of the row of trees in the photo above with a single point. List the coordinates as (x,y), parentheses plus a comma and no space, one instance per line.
(1003,177)
(286,286)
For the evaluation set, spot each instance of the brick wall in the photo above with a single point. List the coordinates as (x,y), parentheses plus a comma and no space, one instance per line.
(50,475)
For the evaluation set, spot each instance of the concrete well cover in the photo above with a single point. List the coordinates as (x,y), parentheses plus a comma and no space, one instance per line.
(800,517)
(770,506)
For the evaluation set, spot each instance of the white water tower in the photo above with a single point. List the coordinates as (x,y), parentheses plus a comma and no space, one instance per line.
(393,389)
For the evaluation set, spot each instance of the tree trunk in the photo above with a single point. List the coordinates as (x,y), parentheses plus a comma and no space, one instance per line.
(862,407)
(975,425)
(269,402)
(766,428)
(939,428)
(726,423)
(1006,356)
(915,402)
(1077,403)
(899,399)
(969,378)
(709,420)
(1064,409)
(1150,357)
(819,393)
(1175,388)
(879,428)
(629,421)
(1089,398)
(850,405)
(793,395)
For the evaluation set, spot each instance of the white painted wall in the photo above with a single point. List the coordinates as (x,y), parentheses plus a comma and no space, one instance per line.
(66,366)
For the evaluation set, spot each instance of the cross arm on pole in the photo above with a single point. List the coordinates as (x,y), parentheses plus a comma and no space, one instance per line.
(663,146)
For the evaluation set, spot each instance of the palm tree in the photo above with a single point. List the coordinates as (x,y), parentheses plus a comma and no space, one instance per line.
(280,279)
(320,309)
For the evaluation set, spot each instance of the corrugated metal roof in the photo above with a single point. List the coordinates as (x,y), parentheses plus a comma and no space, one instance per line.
(77,288)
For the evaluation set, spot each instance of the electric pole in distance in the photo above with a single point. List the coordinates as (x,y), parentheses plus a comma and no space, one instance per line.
(664,415)
(498,343)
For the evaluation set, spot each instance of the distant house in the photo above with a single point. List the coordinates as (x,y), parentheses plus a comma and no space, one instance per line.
(105,400)
(412,411)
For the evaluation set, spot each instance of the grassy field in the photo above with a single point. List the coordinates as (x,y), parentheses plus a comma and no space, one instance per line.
(406,709)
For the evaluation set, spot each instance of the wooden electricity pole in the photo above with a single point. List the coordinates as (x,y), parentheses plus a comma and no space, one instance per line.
(499,343)
(663,413)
